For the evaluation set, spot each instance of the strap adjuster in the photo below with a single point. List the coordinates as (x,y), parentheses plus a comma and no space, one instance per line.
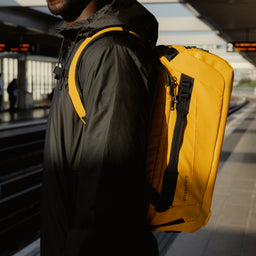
(60,72)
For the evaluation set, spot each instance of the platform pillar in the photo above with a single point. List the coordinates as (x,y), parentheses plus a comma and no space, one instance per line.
(22,87)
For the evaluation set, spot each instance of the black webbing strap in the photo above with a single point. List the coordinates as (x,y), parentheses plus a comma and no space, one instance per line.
(165,199)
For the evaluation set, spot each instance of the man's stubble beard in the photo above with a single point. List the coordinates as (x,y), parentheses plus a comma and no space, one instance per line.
(69,10)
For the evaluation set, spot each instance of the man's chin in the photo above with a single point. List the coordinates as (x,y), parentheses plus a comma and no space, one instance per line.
(55,6)
(69,10)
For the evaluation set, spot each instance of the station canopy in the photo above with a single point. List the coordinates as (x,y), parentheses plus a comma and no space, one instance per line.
(212,25)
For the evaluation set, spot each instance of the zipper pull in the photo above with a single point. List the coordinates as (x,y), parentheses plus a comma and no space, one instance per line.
(172,100)
(173,84)
(58,72)
(170,84)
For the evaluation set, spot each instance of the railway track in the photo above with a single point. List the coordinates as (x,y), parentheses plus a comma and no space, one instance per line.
(21,151)
(236,105)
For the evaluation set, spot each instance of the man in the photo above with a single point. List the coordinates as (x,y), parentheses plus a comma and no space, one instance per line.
(95,193)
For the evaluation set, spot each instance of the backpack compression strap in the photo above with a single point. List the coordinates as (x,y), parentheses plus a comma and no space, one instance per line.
(171,173)
(72,84)
(163,200)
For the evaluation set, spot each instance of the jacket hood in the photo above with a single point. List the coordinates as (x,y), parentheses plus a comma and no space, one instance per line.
(128,13)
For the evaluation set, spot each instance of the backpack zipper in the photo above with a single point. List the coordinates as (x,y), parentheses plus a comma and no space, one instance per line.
(173,84)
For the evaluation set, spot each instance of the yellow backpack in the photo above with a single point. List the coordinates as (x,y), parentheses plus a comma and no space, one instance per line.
(186,131)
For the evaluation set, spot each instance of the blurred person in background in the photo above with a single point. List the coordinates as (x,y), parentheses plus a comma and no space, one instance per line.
(12,91)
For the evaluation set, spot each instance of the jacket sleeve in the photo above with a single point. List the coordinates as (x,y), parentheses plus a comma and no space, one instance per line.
(109,182)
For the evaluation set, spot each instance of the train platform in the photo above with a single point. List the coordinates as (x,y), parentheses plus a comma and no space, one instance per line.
(22,116)
(231,230)
(23,122)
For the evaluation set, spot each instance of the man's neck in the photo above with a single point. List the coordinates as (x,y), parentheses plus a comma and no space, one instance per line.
(90,9)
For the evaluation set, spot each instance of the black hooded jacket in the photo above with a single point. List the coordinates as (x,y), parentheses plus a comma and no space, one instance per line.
(94,197)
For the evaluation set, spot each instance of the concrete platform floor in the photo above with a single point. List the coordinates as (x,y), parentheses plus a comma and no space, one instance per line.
(231,230)
(22,116)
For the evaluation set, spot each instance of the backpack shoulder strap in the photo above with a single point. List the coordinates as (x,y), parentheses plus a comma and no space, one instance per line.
(73,92)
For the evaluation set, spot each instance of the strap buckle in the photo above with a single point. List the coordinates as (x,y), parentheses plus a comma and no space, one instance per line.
(60,72)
